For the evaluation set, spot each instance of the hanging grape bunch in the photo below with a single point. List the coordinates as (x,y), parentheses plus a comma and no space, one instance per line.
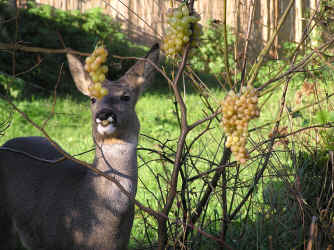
(97,71)
(237,111)
(181,27)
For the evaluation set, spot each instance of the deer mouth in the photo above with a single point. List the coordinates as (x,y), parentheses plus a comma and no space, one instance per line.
(106,126)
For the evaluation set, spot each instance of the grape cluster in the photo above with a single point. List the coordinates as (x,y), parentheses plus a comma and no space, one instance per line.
(97,71)
(181,27)
(237,111)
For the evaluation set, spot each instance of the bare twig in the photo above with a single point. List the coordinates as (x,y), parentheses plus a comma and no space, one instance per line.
(295,67)
(20,47)
(54,97)
(227,65)
(249,27)
(267,155)
(256,67)
(313,233)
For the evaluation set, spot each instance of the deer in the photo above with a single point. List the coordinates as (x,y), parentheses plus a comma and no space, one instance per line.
(57,205)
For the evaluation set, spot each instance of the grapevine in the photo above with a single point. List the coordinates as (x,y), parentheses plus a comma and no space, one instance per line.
(182,29)
(94,64)
(237,111)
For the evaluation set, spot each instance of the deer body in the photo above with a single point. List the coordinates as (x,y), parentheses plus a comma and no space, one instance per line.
(64,205)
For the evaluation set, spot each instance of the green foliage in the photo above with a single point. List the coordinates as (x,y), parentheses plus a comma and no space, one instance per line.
(46,27)
(209,56)
(12,86)
(323,116)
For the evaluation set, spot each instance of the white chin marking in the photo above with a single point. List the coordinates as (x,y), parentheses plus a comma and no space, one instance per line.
(105,130)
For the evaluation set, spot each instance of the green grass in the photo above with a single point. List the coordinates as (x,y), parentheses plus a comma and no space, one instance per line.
(70,126)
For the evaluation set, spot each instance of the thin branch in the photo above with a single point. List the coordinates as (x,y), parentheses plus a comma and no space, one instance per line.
(267,155)
(42,159)
(54,97)
(157,152)
(324,126)
(256,67)
(134,14)
(227,65)
(208,118)
(20,47)
(244,60)
(293,68)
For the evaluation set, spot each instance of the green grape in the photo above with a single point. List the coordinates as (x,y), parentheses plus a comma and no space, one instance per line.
(237,111)
(186,39)
(178,14)
(104,69)
(97,86)
(89,60)
(179,35)
(171,51)
(178,45)
(99,60)
(178,42)
(188,32)
(187,19)
(179,28)
(172,21)
(103,91)
(94,65)
(101,77)
(185,11)
(88,68)
(179,31)
(185,24)
(95,78)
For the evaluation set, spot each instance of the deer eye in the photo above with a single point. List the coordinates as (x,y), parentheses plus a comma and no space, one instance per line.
(125,98)
(93,100)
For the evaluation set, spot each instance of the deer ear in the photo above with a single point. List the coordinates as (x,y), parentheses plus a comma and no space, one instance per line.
(141,74)
(79,74)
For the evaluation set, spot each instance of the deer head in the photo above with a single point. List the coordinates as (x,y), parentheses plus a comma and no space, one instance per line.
(114,116)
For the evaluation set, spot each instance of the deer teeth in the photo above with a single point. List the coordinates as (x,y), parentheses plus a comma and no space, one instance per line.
(98,121)
(105,130)
(105,122)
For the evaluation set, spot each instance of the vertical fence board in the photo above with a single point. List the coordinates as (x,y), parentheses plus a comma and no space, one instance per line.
(131,13)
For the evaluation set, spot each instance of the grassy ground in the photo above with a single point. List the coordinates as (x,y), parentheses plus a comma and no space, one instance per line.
(70,126)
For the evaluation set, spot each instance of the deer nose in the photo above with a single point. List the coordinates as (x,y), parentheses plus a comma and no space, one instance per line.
(105,115)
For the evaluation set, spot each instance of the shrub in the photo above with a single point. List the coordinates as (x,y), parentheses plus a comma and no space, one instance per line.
(209,56)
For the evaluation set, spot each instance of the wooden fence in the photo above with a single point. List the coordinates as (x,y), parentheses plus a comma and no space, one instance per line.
(144,20)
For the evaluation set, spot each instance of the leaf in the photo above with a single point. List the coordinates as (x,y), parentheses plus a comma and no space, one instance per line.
(322,116)
(331,116)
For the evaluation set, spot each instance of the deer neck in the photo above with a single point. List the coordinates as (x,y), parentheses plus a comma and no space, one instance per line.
(117,154)
(118,158)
